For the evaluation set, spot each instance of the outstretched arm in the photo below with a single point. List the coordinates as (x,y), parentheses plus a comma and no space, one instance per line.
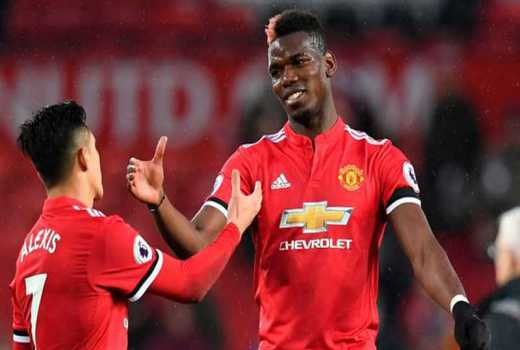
(145,182)
(189,280)
(186,237)
(435,273)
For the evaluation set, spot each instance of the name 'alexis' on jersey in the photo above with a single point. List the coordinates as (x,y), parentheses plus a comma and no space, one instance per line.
(318,233)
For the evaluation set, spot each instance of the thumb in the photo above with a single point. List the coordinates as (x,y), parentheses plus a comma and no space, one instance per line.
(235,183)
(159,150)
(258,190)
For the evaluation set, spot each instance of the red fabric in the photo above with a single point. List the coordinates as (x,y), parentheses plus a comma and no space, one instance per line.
(395,172)
(21,346)
(83,265)
(190,280)
(317,290)
(116,267)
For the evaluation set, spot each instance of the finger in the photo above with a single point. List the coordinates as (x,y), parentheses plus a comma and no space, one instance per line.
(235,183)
(258,189)
(130,177)
(159,150)
(131,169)
(134,161)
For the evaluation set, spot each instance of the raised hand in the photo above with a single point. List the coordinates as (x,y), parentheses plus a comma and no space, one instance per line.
(145,178)
(242,209)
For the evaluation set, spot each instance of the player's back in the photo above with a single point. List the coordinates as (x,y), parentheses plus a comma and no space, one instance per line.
(59,304)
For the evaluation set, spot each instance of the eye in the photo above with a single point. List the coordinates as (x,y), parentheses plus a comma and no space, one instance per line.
(274,72)
(300,61)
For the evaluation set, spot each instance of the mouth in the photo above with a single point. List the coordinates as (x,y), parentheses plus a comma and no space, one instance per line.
(294,97)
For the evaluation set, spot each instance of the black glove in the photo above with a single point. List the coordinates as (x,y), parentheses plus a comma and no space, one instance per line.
(470,331)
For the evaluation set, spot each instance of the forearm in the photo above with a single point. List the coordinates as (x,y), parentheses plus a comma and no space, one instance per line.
(429,261)
(190,280)
(181,235)
(434,271)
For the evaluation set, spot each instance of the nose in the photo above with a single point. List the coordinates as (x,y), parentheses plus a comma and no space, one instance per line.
(289,76)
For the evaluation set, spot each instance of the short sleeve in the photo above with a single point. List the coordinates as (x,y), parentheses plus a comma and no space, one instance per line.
(219,197)
(397,178)
(126,263)
(20,332)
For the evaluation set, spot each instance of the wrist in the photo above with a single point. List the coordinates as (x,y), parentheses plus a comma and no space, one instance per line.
(153,207)
(463,311)
(456,299)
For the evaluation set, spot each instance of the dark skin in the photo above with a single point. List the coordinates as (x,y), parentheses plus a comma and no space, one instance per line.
(298,68)
(295,65)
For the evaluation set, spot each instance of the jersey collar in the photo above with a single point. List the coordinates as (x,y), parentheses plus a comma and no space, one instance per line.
(329,136)
(61,202)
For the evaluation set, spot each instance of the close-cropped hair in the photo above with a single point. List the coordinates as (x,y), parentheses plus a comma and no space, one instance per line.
(292,21)
(48,138)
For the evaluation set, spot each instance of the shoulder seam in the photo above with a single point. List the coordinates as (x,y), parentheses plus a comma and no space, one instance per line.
(360,136)
(274,138)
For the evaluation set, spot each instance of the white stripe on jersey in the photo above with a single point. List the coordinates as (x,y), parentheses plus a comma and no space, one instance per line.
(247,145)
(279,136)
(400,201)
(275,138)
(279,139)
(217,206)
(21,338)
(146,284)
(94,213)
(360,135)
(276,135)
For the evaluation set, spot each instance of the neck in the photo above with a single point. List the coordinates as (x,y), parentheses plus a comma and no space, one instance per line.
(316,123)
(72,189)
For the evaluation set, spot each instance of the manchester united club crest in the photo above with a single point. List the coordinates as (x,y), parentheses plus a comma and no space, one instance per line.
(351,177)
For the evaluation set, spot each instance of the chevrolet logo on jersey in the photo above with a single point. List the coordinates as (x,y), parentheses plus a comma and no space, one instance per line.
(315,216)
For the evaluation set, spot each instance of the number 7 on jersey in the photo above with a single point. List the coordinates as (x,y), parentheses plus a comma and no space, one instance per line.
(34,285)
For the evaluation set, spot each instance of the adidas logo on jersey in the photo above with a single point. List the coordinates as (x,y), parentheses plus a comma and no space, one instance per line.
(280,183)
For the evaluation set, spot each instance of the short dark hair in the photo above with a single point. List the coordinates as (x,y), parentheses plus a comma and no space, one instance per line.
(48,138)
(292,21)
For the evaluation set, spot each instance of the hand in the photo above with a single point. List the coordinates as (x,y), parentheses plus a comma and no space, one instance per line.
(242,209)
(471,332)
(145,178)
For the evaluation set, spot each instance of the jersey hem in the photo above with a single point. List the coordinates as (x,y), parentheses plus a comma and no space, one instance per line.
(148,278)
(217,204)
(400,201)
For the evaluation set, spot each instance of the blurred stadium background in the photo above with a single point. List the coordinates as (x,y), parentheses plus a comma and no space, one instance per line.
(441,78)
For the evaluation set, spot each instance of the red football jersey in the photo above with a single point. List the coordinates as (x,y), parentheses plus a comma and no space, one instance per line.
(318,233)
(75,273)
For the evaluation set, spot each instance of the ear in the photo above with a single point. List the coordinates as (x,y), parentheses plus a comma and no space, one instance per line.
(82,157)
(330,64)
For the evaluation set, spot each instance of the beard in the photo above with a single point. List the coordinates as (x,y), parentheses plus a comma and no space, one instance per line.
(304,116)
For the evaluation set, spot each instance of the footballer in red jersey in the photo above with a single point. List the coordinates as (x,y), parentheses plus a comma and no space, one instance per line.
(319,232)
(328,193)
(77,268)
